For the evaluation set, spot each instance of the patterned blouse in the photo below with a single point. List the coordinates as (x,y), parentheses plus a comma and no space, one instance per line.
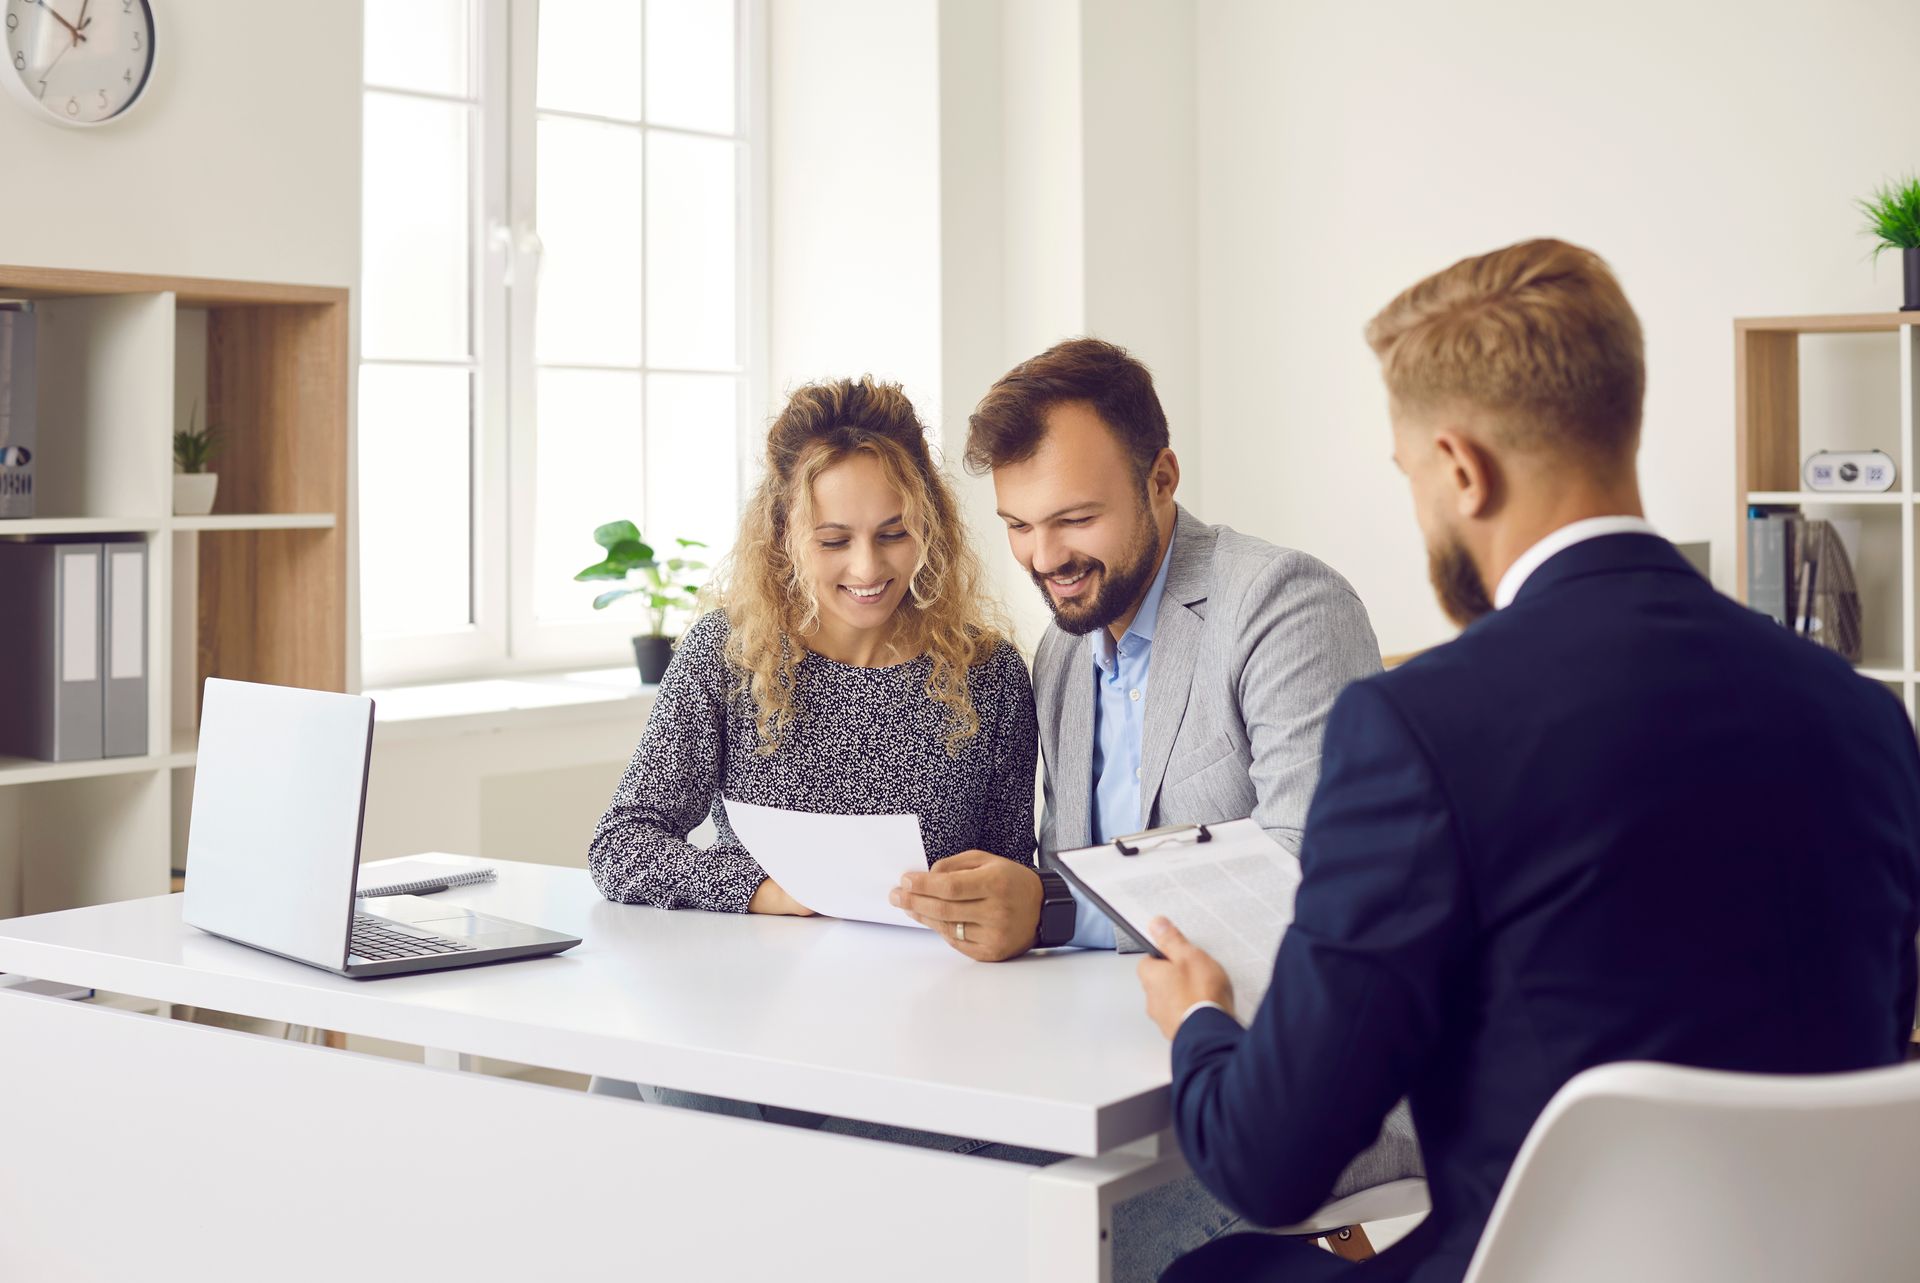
(864,741)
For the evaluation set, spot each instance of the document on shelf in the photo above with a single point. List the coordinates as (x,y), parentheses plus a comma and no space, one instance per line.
(842,866)
(1231,894)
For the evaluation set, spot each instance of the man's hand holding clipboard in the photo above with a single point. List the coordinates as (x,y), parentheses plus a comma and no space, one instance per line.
(1225,889)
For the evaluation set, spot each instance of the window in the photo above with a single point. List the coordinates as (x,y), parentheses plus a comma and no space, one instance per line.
(559,314)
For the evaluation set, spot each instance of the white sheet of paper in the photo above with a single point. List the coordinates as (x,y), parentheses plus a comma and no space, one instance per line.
(1232,896)
(839,865)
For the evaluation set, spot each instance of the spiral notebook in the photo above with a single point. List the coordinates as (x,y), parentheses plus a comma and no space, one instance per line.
(419,877)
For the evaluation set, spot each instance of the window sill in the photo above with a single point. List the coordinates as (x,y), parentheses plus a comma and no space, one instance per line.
(510,703)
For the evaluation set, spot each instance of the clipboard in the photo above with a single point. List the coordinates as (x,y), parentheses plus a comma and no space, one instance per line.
(1130,846)
(1228,886)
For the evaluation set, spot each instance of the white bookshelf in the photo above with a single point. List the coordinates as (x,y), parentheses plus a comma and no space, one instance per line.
(254,591)
(1809,383)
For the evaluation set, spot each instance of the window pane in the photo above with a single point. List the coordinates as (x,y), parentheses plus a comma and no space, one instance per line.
(415,259)
(589,201)
(590,57)
(416,508)
(693,425)
(690,64)
(420,44)
(586,473)
(691,252)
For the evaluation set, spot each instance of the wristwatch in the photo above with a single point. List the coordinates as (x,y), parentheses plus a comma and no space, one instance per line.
(1057,911)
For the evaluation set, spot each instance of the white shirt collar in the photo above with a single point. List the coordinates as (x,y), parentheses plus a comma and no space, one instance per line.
(1559,541)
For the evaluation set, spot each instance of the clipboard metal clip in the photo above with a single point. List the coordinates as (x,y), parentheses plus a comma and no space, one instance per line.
(1138,840)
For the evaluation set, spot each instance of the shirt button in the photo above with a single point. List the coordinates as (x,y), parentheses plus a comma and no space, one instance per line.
(1133,694)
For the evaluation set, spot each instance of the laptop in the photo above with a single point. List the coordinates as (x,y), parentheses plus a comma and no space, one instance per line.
(273,851)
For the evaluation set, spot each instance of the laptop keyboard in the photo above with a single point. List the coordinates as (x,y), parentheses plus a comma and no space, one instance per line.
(376,941)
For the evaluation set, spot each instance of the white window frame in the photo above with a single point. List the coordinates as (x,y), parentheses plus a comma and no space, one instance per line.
(504,637)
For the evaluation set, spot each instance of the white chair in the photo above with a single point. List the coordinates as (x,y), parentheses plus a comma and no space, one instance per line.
(1339,1221)
(1666,1175)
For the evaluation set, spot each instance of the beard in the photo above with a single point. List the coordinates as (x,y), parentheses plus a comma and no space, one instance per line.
(1120,586)
(1457,583)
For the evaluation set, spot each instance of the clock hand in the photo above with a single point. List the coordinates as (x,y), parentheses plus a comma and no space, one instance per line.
(77,37)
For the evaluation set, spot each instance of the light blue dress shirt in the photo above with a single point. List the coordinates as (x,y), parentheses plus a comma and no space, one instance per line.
(1120,672)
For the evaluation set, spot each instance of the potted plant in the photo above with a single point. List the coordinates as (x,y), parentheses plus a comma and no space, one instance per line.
(669,586)
(193,449)
(1893,220)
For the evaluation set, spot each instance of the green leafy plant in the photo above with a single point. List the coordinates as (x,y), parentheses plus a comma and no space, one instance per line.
(1893,215)
(669,585)
(194,446)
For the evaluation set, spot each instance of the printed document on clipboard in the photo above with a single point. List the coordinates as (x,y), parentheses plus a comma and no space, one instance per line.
(1228,887)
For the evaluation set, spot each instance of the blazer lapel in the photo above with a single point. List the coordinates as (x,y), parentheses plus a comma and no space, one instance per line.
(1076,749)
(1070,743)
(1178,635)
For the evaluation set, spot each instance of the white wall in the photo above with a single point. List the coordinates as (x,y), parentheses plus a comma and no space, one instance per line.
(854,195)
(242,162)
(1710,152)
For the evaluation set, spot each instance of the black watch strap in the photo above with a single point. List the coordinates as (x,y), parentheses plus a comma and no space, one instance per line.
(1057,911)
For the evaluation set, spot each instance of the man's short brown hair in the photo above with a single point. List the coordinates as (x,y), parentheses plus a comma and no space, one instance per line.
(1538,333)
(1009,422)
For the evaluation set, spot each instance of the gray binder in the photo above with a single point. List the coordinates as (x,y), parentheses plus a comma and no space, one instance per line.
(50,651)
(123,633)
(18,392)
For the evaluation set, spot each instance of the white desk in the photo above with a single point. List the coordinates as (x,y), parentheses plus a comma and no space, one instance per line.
(136,1145)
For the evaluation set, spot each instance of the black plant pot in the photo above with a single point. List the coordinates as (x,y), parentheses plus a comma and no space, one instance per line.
(653,654)
(1910,259)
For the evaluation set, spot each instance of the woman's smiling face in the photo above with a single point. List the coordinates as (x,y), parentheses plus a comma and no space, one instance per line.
(858,557)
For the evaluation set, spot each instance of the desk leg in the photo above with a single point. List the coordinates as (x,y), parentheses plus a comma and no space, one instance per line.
(1070,1230)
(441,1058)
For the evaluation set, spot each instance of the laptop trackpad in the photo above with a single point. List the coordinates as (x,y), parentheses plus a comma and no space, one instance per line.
(448,920)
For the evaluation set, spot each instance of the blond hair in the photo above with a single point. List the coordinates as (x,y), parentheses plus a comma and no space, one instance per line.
(1538,333)
(768,602)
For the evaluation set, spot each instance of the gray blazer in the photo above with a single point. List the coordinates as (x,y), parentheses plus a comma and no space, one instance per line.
(1251,645)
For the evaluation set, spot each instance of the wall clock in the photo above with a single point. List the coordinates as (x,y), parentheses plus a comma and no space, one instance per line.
(77,62)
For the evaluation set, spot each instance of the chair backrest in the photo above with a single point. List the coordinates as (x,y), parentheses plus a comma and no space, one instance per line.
(1660,1174)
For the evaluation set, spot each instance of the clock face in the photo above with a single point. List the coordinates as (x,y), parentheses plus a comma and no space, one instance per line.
(82,62)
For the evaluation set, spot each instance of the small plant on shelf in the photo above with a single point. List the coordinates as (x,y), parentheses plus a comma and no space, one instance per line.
(194,448)
(1893,220)
(670,587)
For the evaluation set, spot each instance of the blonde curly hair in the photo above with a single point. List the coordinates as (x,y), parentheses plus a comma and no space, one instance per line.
(771,608)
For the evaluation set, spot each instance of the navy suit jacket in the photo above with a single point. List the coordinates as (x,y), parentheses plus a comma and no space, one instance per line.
(1623,819)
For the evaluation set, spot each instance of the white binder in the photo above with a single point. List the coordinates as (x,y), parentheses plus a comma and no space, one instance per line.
(123,611)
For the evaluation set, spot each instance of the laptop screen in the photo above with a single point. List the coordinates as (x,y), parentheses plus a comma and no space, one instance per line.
(279,790)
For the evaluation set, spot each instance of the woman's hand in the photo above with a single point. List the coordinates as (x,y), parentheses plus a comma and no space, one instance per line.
(769,898)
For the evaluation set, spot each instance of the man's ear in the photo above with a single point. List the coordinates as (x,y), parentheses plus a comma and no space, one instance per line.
(1163,478)
(1473,474)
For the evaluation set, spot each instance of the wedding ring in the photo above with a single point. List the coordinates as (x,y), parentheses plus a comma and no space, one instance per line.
(960,932)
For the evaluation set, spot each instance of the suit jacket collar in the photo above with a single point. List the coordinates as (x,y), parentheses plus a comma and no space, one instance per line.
(1179,634)
(1608,554)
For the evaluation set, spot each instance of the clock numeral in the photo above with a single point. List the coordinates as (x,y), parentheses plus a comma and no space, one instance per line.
(43,89)
(19,60)
(129,76)
(13,22)
(126,6)
(73,106)
(104,104)
(136,42)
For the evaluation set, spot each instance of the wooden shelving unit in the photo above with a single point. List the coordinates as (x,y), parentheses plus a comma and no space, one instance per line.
(255,591)
(1770,446)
